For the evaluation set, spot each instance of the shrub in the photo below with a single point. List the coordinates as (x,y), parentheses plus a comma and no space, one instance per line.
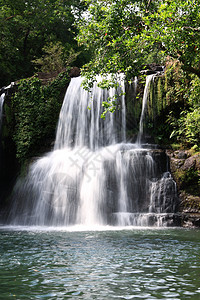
(36,110)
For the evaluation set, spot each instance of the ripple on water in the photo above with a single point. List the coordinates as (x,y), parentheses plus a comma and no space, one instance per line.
(135,264)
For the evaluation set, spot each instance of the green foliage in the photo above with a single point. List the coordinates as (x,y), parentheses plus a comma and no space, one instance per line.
(191,123)
(123,36)
(52,60)
(187,130)
(174,29)
(108,32)
(28,26)
(36,109)
(176,114)
(55,58)
(126,35)
(194,97)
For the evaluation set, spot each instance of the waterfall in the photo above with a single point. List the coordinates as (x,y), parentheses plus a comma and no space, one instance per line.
(135,83)
(93,177)
(2,97)
(149,78)
(79,126)
(4,92)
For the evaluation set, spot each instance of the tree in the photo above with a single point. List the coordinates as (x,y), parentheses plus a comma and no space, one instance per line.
(126,35)
(27,26)
(109,30)
(122,34)
(175,29)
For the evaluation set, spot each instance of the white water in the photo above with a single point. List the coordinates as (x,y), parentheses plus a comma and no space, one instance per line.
(149,78)
(80,122)
(2,97)
(92,178)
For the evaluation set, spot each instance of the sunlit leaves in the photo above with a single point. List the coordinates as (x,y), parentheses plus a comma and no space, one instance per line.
(121,33)
(175,27)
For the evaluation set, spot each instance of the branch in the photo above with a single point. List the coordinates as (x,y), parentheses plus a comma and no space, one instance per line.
(147,6)
(191,28)
(8,18)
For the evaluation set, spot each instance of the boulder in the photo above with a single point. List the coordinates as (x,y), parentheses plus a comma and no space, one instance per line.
(75,72)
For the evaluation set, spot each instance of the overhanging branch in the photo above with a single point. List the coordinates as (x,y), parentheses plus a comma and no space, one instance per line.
(191,28)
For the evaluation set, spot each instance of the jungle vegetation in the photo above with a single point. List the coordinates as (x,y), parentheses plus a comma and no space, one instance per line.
(102,36)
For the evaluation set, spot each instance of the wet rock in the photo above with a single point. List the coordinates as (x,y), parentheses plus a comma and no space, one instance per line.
(182,155)
(190,220)
(153,69)
(185,169)
(189,163)
(74,72)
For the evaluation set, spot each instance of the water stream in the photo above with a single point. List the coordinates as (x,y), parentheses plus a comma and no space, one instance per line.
(149,78)
(93,177)
(2,97)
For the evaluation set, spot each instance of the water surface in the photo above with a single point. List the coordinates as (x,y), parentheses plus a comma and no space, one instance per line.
(44,263)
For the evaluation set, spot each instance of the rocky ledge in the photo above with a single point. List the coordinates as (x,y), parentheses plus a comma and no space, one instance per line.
(185,169)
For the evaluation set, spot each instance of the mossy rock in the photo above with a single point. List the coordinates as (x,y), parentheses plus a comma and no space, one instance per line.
(185,169)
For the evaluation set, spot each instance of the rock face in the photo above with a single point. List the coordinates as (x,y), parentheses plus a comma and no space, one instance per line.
(8,163)
(74,72)
(185,169)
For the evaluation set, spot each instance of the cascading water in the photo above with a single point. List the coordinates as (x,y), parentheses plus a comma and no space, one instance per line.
(149,78)
(2,97)
(92,177)
(81,126)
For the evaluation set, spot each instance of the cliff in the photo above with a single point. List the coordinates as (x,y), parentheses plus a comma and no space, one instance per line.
(185,168)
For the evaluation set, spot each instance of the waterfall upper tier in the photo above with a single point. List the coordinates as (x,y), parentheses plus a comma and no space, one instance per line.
(80,123)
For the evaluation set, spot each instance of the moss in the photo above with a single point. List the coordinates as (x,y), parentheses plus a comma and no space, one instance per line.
(175,146)
(160,95)
(31,115)
(188,179)
(186,173)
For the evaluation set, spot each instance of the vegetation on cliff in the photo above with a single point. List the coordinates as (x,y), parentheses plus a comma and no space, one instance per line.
(173,115)
(32,114)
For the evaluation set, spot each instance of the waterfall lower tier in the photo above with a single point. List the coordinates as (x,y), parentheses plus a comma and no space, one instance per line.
(92,177)
(116,185)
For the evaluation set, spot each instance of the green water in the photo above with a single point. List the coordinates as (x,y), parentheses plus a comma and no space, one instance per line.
(111,264)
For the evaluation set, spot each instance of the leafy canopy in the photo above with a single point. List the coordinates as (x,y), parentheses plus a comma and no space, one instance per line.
(123,34)
(29,25)
(175,28)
